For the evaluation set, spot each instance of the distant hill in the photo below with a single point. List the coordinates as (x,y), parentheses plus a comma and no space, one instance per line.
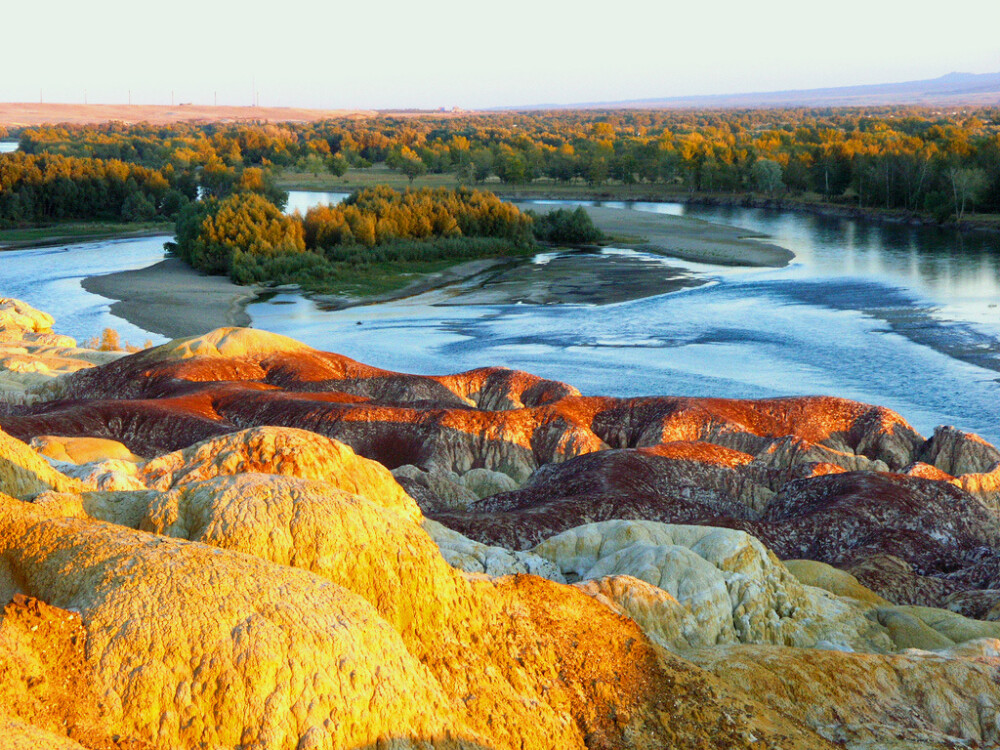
(25,113)
(948,90)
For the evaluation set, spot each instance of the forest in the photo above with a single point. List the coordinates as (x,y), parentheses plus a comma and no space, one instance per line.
(43,188)
(942,165)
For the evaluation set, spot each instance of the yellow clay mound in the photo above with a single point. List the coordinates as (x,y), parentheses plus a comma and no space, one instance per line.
(197,646)
(912,701)
(23,473)
(834,580)
(83,450)
(20,315)
(283,451)
(232,343)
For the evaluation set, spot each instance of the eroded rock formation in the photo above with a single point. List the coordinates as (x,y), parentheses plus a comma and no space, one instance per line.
(31,355)
(238,541)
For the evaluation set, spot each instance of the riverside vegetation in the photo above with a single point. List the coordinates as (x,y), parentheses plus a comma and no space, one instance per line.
(372,241)
(376,240)
(890,161)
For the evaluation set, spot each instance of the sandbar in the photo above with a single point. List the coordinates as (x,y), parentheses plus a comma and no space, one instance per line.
(686,238)
(174,300)
(574,277)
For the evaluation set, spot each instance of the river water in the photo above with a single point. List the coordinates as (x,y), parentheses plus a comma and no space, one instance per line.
(49,279)
(901,316)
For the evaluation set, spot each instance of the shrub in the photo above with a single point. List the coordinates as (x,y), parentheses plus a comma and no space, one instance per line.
(564,226)
(209,232)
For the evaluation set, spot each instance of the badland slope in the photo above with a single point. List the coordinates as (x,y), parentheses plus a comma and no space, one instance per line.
(235,540)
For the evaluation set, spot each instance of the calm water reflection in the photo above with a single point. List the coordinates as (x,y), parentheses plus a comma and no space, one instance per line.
(960,270)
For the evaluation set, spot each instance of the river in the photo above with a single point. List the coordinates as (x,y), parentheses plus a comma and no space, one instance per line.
(901,316)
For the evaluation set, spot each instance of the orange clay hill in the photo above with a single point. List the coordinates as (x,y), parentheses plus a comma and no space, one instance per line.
(236,541)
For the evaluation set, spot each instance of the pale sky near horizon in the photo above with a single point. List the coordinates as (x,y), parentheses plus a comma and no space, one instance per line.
(444,53)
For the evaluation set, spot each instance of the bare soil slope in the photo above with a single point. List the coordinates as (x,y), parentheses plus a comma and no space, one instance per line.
(23,113)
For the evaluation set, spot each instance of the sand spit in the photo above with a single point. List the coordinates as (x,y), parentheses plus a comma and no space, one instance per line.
(172,299)
(690,239)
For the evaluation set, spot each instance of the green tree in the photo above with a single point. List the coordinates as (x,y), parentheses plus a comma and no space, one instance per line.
(218,179)
(565,226)
(597,171)
(313,163)
(624,168)
(173,202)
(137,208)
(337,165)
(413,166)
(766,176)
(482,161)
(967,185)
(511,167)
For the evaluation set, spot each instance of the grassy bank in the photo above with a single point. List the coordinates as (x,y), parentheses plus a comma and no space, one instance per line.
(356,179)
(70,232)
(392,272)
(387,281)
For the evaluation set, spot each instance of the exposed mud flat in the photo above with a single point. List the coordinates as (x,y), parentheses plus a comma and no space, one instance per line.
(580,277)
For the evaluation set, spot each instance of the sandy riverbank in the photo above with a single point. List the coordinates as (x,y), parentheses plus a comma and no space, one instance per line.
(172,299)
(690,239)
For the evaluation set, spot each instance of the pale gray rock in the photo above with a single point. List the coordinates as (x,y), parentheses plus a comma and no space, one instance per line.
(485,483)
(472,557)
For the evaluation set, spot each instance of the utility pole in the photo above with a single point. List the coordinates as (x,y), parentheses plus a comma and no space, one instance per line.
(171,97)
(85,96)
(216,100)
(40,100)
(130,97)
(253,91)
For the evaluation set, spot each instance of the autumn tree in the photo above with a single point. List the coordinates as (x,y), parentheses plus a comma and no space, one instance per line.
(338,165)
(211,233)
(412,167)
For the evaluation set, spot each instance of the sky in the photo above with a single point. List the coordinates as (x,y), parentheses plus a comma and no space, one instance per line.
(443,53)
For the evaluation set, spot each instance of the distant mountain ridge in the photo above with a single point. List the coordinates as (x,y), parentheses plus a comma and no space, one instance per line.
(951,89)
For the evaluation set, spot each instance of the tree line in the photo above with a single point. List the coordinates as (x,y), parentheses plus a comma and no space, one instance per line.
(912,159)
(43,188)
